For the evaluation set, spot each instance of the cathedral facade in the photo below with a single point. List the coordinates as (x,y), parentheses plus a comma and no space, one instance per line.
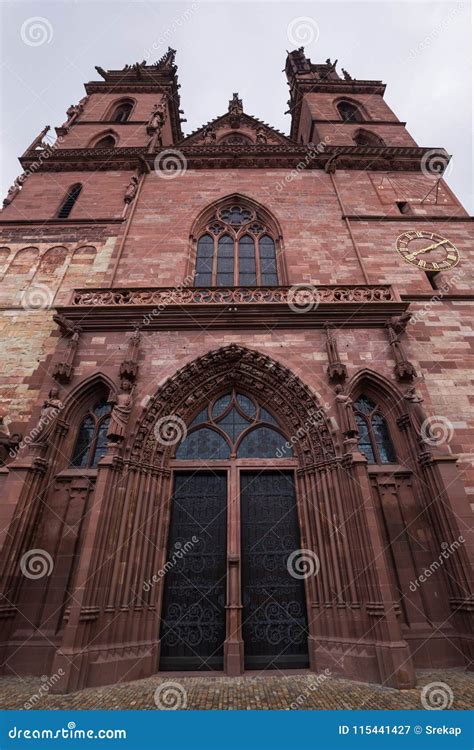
(235,390)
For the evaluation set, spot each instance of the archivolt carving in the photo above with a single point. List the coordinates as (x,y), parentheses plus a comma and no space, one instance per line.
(278,388)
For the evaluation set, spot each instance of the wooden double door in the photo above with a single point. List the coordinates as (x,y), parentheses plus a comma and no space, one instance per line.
(246,518)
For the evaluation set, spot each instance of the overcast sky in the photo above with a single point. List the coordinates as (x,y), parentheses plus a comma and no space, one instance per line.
(422,50)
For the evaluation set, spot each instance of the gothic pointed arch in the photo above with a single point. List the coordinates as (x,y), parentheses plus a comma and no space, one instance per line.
(377,405)
(87,401)
(297,410)
(106,139)
(236,241)
(364,137)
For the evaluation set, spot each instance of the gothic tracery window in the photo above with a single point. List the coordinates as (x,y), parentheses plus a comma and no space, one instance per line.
(349,112)
(236,247)
(91,441)
(374,436)
(233,424)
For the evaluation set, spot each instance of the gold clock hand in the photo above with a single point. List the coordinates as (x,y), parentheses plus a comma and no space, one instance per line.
(430,247)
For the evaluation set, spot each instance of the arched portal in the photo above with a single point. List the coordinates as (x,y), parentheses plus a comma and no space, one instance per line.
(233,497)
(233,428)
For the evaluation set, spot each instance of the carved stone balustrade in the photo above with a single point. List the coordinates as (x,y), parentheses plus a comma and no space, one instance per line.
(235,307)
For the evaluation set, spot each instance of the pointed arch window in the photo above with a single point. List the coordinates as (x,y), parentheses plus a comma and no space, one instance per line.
(91,440)
(122,111)
(367,138)
(349,112)
(236,248)
(107,141)
(374,436)
(68,203)
(233,425)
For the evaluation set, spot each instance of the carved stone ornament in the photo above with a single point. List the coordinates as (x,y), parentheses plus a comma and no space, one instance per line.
(64,369)
(274,385)
(122,407)
(337,371)
(129,366)
(8,442)
(404,369)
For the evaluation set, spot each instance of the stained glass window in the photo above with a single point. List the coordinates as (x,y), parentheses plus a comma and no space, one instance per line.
(91,441)
(374,436)
(238,425)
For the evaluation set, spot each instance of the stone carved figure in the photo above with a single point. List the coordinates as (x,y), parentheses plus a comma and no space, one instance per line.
(399,323)
(261,135)
(122,407)
(209,134)
(157,120)
(415,409)
(8,442)
(52,406)
(235,105)
(12,193)
(131,189)
(345,410)
(346,75)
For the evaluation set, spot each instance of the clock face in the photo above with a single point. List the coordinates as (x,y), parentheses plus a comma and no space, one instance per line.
(428,251)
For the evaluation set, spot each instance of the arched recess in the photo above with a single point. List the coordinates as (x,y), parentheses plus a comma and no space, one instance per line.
(263,225)
(51,268)
(107,139)
(407,518)
(51,516)
(275,386)
(20,273)
(350,110)
(363,137)
(120,110)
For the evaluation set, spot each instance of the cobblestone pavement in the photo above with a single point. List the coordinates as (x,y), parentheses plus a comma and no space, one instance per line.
(277,691)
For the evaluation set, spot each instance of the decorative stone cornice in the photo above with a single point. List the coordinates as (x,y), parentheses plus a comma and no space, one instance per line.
(226,156)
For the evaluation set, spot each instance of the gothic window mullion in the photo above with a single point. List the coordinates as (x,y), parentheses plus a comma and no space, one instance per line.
(214,261)
(258,271)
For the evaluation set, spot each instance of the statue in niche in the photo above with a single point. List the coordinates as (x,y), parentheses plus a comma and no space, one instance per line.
(261,136)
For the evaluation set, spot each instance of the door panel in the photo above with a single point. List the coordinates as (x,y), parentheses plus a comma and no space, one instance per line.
(193,624)
(275,627)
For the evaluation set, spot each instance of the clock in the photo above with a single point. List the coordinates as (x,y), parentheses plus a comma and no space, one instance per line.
(428,251)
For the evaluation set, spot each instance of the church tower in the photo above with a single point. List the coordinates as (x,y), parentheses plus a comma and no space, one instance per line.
(235,390)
